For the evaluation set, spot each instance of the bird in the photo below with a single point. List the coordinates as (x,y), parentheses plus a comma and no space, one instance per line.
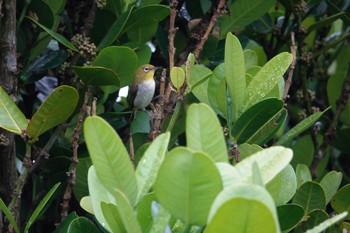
(142,89)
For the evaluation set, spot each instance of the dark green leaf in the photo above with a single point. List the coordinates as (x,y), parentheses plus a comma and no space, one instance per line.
(8,215)
(63,227)
(289,216)
(141,123)
(82,225)
(97,75)
(341,200)
(310,196)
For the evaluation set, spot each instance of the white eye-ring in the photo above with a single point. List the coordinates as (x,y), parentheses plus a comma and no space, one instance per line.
(146,69)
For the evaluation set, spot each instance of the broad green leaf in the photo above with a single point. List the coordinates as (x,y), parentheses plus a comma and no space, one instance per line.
(143,52)
(330,184)
(341,200)
(303,174)
(299,128)
(115,29)
(265,80)
(144,212)
(242,13)
(253,124)
(227,173)
(187,184)
(110,158)
(148,167)
(55,35)
(11,117)
(282,188)
(40,207)
(256,211)
(314,218)
(271,161)
(303,151)
(198,82)
(143,34)
(113,217)
(8,215)
(177,76)
(126,211)
(289,216)
(82,225)
(310,196)
(80,188)
(160,223)
(141,123)
(235,73)
(251,59)
(204,132)
(63,227)
(217,90)
(97,75)
(99,194)
(329,222)
(246,150)
(55,110)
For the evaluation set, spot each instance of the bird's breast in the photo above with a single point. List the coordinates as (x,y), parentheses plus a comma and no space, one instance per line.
(145,93)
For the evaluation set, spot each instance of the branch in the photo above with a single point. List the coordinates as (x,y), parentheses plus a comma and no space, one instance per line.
(172,30)
(293,49)
(71,174)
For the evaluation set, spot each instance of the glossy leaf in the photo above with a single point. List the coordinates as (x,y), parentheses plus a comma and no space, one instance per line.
(55,110)
(329,222)
(11,117)
(341,200)
(283,187)
(187,184)
(251,126)
(299,128)
(177,76)
(265,80)
(330,184)
(289,216)
(113,217)
(217,90)
(110,158)
(97,75)
(115,29)
(63,227)
(235,73)
(310,196)
(82,225)
(144,33)
(242,13)
(203,132)
(303,174)
(252,201)
(86,204)
(315,217)
(55,35)
(198,82)
(148,167)
(40,207)
(8,215)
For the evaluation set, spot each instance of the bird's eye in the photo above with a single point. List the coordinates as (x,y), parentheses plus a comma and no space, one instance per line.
(146,69)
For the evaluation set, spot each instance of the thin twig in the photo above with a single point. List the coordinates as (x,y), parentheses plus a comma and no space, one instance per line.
(217,12)
(71,174)
(172,30)
(293,49)
(131,149)
(93,106)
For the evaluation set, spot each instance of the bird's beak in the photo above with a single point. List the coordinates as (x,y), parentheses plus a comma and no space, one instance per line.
(157,67)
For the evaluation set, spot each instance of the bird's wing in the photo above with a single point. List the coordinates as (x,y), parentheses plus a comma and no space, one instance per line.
(132,94)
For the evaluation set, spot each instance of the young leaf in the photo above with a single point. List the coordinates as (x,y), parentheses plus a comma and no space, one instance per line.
(110,157)
(204,132)
(82,225)
(177,76)
(217,90)
(40,207)
(12,118)
(8,215)
(55,35)
(235,73)
(266,79)
(147,169)
(56,109)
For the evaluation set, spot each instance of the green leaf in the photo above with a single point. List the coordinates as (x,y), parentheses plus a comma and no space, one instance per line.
(143,52)
(177,76)
(82,225)
(55,35)
(148,167)
(303,174)
(11,117)
(265,80)
(97,75)
(242,13)
(86,204)
(198,81)
(256,211)
(252,125)
(55,110)
(282,188)
(115,29)
(314,218)
(204,133)
(246,150)
(299,128)
(303,150)
(289,216)
(271,161)
(227,173)
(80,188)
(330,184)
(63,227)
(161,221)
(235,73)
(310,196)
(187,184)
(143,34)
(125,210)
(341,200)
(110,158)
(217,90)
(251,59)
(141,123)
(8,215)
(40,207)
(113,217)
(144,212)
(329,222)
